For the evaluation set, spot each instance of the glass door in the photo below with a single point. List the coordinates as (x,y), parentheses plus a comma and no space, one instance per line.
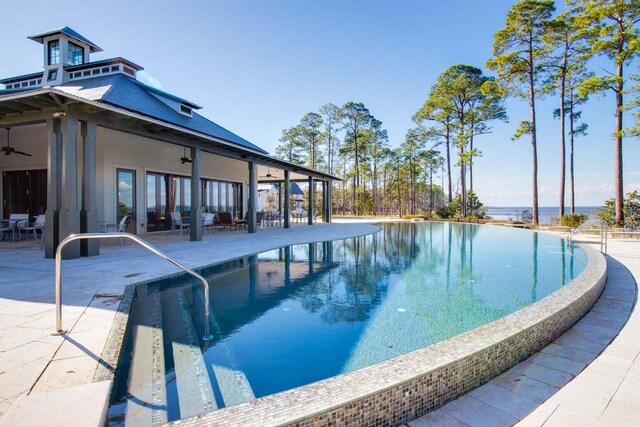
(126,200)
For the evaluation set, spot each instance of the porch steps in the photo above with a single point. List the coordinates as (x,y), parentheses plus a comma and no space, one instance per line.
(147,399)
(195,393)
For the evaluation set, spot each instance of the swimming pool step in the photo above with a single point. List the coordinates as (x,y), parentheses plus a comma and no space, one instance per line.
(195,393)
(147,397)
(233,384)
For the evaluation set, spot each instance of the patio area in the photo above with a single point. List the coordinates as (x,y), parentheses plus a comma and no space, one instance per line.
(34,361)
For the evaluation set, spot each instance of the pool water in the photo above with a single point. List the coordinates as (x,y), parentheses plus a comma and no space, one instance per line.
(299,314)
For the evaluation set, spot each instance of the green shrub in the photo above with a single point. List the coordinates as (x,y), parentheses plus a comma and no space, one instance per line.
(573,220)
(425,217)
(443,212)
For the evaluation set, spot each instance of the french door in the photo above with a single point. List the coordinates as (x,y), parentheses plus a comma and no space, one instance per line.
(24,192)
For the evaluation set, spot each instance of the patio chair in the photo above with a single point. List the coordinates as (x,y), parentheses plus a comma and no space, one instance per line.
(260,219)
(225,220)
(207,222)
(38,224)
(15,222)
(176,222)
(243,222)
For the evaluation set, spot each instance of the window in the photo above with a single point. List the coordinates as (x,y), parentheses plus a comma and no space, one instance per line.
(126,201)
(185,110)
(53,74)
(54,52)
(75,54)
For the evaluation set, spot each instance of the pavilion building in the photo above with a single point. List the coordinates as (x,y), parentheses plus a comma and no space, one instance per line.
(91,143)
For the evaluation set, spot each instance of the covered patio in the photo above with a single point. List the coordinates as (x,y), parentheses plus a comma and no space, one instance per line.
(90,163)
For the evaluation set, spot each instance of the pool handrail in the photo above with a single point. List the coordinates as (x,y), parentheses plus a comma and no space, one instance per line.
(604,231)
(144,244)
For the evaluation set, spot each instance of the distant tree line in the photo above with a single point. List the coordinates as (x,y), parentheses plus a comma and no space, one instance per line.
(535,55)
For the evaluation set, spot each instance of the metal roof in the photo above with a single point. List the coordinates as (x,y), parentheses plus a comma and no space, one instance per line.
(22,77)
(68,32)
(126,92)
(110,61)
(101,88)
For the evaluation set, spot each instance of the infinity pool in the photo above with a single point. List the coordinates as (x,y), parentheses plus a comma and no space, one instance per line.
(299,314)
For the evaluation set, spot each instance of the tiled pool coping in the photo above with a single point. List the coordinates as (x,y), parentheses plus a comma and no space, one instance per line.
(408,386)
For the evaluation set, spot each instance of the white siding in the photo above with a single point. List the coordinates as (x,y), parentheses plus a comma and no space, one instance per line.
(121,150)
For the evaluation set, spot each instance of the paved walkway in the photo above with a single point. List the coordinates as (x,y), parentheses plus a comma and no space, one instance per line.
(590,376)
(32,361)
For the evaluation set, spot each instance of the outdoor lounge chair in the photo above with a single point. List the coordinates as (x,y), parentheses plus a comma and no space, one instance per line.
(225,220)
(207,222)
(13,225)
(177,222)
(38,224)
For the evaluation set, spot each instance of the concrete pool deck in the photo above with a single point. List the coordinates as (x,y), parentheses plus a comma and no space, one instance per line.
(32,362)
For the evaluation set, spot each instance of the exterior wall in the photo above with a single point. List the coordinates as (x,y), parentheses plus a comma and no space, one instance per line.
(116,149)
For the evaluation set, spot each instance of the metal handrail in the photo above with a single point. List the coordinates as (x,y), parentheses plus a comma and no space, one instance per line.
(88,236)
(604,231)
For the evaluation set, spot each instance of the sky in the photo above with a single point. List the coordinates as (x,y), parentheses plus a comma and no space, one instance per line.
(256,67)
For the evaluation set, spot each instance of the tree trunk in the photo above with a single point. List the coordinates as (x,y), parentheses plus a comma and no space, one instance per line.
(431,188)
(562,142)
(463,179)
(532,103)
(448,142)
(571,131)
(471,161)
(619,189)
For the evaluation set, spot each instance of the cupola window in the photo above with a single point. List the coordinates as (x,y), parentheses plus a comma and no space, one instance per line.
(186,110)
(75,54)
(54,52)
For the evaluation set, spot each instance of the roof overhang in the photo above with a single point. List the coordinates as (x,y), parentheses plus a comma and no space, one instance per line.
(53,99)
(69,33)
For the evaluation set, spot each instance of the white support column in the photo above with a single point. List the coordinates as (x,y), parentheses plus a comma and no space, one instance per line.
(69,212)
(195,228)
(89,211)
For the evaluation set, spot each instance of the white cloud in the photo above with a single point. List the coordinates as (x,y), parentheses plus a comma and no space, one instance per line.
(148,79)
(124,186)
(632,186)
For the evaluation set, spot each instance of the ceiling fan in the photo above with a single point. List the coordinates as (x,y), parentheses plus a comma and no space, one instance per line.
(8,150)
(184,159)
(268,175)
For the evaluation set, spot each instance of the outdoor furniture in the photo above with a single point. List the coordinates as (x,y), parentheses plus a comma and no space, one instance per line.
(177,222)
(5,228)
(225,220)
(207,222)
(120,227)
(38,224)
(243,222)
(260,219)
(13,225)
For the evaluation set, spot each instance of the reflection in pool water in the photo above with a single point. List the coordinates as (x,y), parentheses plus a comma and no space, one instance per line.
(299,314)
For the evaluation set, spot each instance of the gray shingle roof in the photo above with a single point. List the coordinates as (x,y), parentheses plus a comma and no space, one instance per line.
(124,92)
